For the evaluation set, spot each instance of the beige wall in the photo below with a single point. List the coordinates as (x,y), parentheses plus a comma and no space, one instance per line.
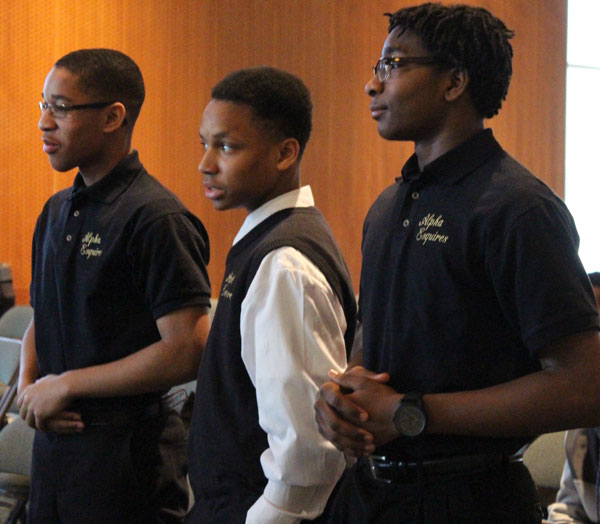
(184,46)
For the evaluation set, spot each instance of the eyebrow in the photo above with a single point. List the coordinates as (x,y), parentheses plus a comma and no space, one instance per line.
(392,49)
(57,98)
(217,136)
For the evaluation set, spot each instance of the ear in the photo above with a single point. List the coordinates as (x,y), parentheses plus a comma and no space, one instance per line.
(115,116)
(459,81)
(289,151)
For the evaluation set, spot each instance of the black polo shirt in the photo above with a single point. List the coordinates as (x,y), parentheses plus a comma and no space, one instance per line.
(469,268)
(108,261)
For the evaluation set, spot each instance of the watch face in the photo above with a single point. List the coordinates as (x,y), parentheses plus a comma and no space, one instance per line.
(410,421)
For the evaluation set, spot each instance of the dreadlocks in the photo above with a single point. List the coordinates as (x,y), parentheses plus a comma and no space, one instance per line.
(468,38)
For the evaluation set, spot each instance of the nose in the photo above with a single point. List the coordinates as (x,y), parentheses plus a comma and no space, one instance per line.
(208,165)
(46,120)
(374,86)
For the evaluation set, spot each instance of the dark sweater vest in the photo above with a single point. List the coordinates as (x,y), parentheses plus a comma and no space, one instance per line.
(226,440)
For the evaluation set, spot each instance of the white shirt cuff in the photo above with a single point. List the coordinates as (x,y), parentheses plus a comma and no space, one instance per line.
(263,512)
(299,503)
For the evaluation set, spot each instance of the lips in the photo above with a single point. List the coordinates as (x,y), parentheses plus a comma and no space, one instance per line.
(377,110)
(49,145)
(212,192)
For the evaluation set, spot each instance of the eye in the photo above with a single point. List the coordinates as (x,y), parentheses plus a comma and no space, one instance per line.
(226,148)
(204,145)
(395,62)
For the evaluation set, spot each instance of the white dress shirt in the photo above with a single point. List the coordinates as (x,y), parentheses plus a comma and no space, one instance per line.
(292,329)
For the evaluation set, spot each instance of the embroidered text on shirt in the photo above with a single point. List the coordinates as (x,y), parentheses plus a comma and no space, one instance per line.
(225,293)
(431,221)
(90,245)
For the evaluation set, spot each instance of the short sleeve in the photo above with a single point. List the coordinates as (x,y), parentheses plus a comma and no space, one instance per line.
(539,280)
(169,259)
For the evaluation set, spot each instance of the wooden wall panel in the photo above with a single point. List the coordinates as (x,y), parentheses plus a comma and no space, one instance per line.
(184,46)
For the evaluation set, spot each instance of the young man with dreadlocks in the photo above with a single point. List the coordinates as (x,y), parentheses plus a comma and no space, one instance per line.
(480,328)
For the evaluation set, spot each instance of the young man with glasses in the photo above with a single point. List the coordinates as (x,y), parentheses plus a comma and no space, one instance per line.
(120,294)
(480,328)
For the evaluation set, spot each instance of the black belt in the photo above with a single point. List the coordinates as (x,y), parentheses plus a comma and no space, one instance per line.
(397,471)
(120,417)
(132,414)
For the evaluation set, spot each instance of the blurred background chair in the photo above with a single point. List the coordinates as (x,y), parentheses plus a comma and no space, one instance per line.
(14,321)
(545,459)
(16,442)
(10,350)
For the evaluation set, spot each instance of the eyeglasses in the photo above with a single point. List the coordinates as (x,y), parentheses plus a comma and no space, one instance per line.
(61,111)
(385,65)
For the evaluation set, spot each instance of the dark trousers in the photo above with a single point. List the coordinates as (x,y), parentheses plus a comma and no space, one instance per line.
(124,474)
(503,495)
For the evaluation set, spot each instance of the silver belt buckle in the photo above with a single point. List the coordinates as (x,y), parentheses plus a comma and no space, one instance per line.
(373,468)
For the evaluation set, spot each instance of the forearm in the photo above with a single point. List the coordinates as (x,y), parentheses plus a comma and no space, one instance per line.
(28,369)
(154,368)
(172,360)
(300,465)
(564,394)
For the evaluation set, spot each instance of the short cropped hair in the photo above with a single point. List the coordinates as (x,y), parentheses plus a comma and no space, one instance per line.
(109,75)
(280,101)
(465,37)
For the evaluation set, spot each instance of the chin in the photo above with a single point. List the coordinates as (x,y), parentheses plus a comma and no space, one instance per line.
(61,167)
(219,205)
(393,134)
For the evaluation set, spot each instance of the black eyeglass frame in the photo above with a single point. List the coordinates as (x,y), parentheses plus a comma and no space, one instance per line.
(62,108)
(386,64)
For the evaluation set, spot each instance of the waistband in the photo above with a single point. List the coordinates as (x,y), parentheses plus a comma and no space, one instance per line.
(396,471)
(131,414)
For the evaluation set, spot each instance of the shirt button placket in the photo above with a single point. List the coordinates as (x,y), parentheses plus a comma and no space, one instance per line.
(72,226)
(414,196)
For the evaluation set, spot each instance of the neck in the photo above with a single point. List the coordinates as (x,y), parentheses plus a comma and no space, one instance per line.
(97,170)
(428,150)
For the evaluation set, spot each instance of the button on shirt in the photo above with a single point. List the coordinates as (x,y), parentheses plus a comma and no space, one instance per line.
(108,261)
(470,267)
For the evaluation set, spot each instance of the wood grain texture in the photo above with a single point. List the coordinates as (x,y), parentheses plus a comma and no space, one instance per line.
(184,46)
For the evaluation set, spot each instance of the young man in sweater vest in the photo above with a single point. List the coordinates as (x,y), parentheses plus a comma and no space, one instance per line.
(286,314)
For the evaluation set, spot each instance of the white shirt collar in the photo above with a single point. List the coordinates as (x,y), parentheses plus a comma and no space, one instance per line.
(302,197)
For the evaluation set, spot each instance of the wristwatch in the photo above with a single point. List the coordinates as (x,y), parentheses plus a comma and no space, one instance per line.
(410,418)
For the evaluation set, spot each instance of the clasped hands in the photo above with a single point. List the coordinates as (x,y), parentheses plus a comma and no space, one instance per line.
(44,403)
(355,410)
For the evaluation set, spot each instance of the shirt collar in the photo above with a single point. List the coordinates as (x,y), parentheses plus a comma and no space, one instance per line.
(456,163)
(301,197)
(110,186)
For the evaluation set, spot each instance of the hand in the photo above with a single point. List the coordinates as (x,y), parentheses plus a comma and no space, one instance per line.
(43,400)
(370,393)
(65,423)
(340,419)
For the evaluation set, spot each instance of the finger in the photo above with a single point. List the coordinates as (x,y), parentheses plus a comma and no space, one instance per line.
(335,428)
(382,378)
(40,423)
(23,411)
(27,416)
(21,399)
(68,415)
(332,395)
(349,439)
(64,426)
(359,371)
